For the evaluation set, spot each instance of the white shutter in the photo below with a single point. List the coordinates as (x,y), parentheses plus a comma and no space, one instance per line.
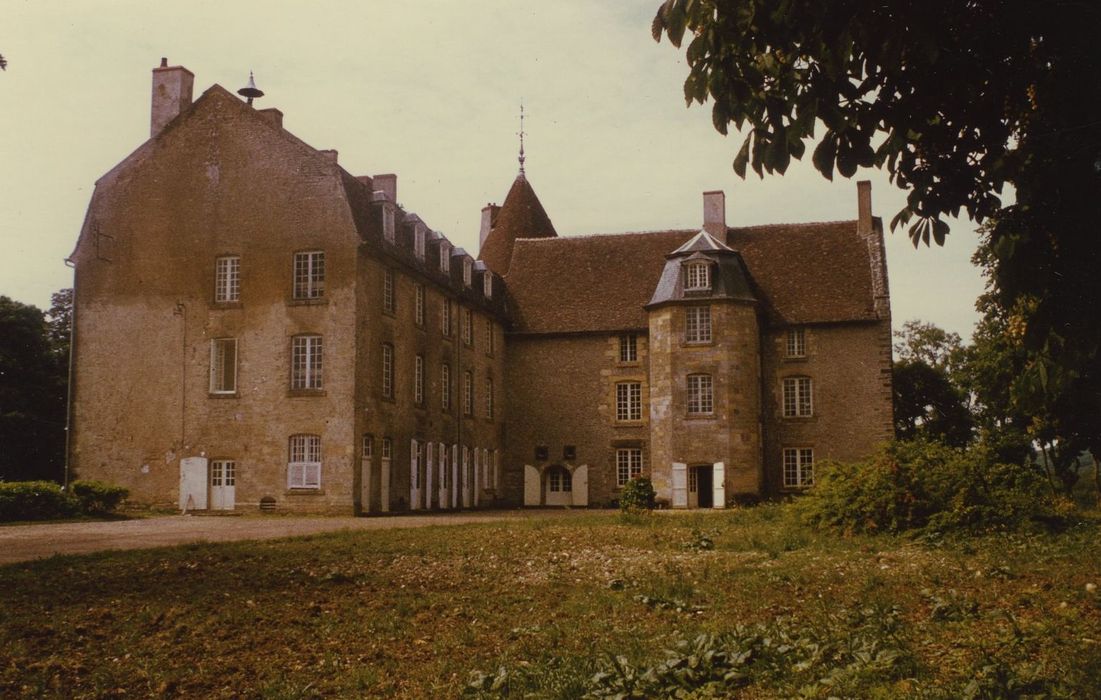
(466,477)
(532,487)
(445,497)
(680,485)
(454,476)
(477,475)
(414,474)
(581,485)
(429,468)
(718,480)
(384,486)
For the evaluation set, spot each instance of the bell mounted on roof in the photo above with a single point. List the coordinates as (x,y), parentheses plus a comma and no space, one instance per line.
(250,91)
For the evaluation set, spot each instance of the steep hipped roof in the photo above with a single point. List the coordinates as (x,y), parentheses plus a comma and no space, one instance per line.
(521,216)
(801,273)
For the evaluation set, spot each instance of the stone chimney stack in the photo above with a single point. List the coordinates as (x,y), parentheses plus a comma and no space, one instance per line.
(171,94)
(387,184)
(273,115)
(489,217)
(864,207)
(714,214)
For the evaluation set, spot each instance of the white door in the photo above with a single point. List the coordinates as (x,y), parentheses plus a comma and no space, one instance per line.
(414,476)
(193,483)
(223,484)
(532,489)
(718,483)
(454,476)
(581,485)
(680,485)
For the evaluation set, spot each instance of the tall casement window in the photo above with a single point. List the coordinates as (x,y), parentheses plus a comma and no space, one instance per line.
(388,303)
(628,347)
(445,317)
(797,342)
(418,314)
(628,401)
(468,272)
(387,370)
(468,326)
(418,380)
(223,472)
(367,450)
(445,387)
(227,279)
(797,397)
(490,339)
(419,234)
(387,448)
(304,465)
(309,274)
(306,362)
(468,393)
(223,366)
(489,398)
(559,480)
(445,257)
(697,324)
(628,464)
(798,467)
(388,222)
(487,284)
(700,398)
(697,276)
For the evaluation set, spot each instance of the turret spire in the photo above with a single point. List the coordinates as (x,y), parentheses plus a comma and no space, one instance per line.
(521,138)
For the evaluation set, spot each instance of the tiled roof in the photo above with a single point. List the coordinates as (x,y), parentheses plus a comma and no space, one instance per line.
(521,216)
(802,273)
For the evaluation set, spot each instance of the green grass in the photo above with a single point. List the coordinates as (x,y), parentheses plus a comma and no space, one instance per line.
(413,613)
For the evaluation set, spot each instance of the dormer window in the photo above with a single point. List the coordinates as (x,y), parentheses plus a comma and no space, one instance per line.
(697,276)
(418,241)
(388,222)
(468,271)
(445,257)
(487,284)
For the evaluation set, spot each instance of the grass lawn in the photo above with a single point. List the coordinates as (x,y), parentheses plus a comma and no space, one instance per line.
(413,612)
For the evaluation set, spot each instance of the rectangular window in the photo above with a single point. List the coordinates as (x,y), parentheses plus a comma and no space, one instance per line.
(445,257)
(490,340)
(468,271)
(797,342)
(223,472)
(418,380)
(388,222)
(418,241)
(487,284)
(697,276)
(445,317)
(387,448)
(445,387)
(693,480)
(468,393)
(368,449)
(798,467)
(797,397)
(489,398)
(419,313)
(227,279)
(700,400)
(697,324)
(309,274)
(388,370)
(559,480)
(223,366)
(304,465)
(306,362)
(628,348)
(628,401)
(628,464)
(388,304)
(468,326)
(416,459)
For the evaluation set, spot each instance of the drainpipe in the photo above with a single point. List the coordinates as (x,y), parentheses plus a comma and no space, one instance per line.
(181,311)
(69,262)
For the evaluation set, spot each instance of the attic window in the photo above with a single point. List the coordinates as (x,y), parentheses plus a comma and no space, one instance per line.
(445,257)
(418,241)
(487,284)
(468,271)
(697,276)
(388,222)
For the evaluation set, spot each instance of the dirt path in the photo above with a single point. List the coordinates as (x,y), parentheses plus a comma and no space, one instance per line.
(25,542)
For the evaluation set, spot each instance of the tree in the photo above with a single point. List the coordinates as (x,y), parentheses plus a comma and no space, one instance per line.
(929,397)
(956,100)
(32,396)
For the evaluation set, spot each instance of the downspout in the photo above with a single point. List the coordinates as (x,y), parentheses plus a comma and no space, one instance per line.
(181,311)
(69,262)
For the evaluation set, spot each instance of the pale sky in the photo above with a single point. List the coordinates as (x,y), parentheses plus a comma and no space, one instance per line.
(428,90)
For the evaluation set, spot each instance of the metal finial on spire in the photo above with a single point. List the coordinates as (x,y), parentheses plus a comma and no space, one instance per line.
(250,91)
(521,137)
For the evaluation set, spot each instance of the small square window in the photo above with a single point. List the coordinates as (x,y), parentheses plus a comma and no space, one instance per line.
(697,276)
(541,453)
(569,452)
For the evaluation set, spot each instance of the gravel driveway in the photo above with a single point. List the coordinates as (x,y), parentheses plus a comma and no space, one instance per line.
(25,542)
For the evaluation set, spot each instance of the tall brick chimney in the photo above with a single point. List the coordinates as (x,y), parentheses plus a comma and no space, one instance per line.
(489,216)
(714,214)
(864,207)
(171,94)
(387,183)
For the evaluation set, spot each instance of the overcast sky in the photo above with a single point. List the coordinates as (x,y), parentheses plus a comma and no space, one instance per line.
(427,90)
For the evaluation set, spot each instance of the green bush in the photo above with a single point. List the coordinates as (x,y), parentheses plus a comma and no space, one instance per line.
(34,500)
(637,495)
(97,497)
(924,485)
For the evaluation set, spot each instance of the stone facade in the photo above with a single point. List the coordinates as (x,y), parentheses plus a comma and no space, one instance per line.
(362,363)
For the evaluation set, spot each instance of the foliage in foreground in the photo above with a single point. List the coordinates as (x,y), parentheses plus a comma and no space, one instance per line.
(637,495)
(925,485)
(45,500)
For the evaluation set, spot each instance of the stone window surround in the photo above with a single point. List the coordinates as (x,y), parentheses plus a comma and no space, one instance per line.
(218,347)
(628,401)
(795,343)
(798,467)
(630,463)
(307,363)
(700,394)
(227,279)
(308,280)
(698,329)
(797,397)
(304,457)
(628,348)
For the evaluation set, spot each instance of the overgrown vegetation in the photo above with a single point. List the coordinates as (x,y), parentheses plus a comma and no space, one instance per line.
(557,608)
(45,500)
(637,496)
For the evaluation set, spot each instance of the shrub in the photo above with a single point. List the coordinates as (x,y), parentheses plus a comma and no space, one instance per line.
(34,500)
(924,485)
(97,497)
(638,495)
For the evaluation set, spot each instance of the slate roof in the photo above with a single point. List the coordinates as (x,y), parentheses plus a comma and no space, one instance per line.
(801,273)
(521,216)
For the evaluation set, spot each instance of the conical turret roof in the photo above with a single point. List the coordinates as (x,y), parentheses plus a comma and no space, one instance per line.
(521,216)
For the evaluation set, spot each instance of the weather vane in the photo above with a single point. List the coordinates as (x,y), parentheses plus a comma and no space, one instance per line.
(521,137)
